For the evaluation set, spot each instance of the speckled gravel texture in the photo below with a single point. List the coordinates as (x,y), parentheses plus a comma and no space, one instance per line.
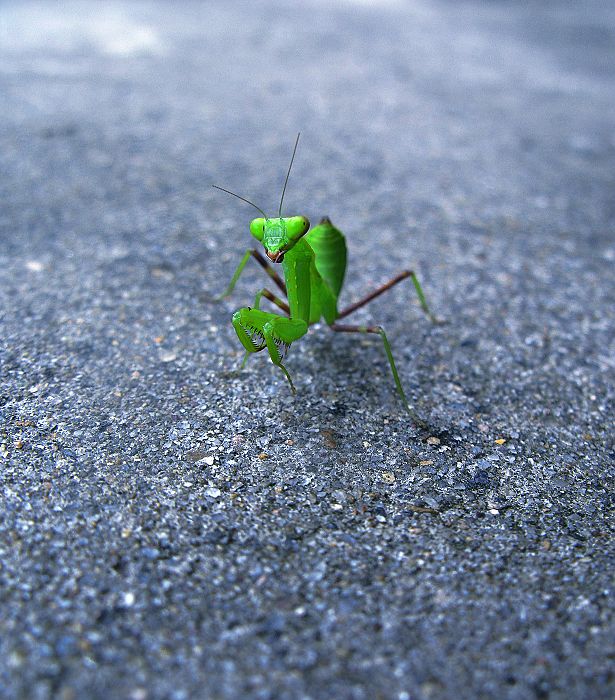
(172,526)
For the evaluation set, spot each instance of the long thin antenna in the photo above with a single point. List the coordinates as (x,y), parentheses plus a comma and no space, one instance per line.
(243,199)
(288,174)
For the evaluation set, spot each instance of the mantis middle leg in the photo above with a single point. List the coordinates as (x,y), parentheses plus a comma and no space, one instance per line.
(340,328)
(264,292)
(251,252)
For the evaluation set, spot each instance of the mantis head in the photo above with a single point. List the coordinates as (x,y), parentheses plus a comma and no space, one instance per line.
(277,235)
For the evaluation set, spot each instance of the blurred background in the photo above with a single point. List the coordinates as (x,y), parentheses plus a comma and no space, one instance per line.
(433,101)
(418,118)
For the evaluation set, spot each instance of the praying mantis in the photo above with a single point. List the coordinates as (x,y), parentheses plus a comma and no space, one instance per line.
(314,265)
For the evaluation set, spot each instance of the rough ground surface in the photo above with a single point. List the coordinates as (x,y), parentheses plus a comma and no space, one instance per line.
(173,527)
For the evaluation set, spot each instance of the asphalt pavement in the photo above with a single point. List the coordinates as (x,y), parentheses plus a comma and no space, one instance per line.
(174,526)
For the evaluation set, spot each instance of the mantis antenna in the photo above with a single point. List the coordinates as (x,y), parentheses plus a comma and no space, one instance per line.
(243,199)
(288,174)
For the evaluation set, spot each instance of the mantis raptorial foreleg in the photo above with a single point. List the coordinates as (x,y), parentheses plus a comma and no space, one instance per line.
(340,328)
(251,252)
(257,301)
(258,330)
(385,287)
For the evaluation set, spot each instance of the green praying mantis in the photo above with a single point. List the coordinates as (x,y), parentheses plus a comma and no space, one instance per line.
(314,266)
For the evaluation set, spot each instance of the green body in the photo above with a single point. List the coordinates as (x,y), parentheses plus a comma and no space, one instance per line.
(314,273)
(314,265)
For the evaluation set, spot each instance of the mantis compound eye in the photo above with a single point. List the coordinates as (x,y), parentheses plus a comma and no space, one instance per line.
(257,228)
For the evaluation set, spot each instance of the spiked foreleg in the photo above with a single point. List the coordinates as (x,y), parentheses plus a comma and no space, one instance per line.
(258,329)
(250,336)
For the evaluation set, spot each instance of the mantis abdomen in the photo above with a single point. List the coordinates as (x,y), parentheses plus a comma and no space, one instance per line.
(329,246)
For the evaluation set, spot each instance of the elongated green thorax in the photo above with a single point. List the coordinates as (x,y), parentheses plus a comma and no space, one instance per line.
(297,266)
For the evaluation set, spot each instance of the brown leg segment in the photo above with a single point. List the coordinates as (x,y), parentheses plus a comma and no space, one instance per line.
(391,283)
(260,259)
(376,293)
(272,298)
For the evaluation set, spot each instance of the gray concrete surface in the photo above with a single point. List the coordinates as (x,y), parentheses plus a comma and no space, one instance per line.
(174,527)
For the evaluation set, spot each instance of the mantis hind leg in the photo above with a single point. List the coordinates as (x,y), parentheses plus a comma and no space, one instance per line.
(385,287)
(258,330)
(339,328)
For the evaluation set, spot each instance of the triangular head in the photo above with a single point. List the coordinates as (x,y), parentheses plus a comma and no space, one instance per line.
(279,235)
